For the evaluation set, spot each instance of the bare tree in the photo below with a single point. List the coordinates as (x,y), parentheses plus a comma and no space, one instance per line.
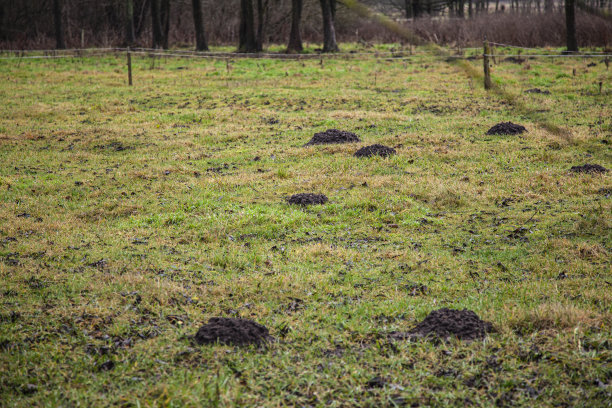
(59,31)
(156,24)
(201,44)
(165,22)
(548,6)
(295,37)
(129,22)
(570,24)
(408,8)
(262,10)
(248,42)
(328,11)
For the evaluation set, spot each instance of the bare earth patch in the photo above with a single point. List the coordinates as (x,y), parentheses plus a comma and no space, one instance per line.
(589,168)
(444,323)
(333,136)
(506,128)
(237,332)
(307,199)
(375,150)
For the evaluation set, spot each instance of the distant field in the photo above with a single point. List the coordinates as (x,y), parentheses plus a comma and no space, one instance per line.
(131,215)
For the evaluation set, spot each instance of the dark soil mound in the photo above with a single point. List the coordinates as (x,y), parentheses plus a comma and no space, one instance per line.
(589,168)
(514,60)
(463,324)
(375,150)
(331,136)
(506,128)
(538,91)
(307,199)
(237,332)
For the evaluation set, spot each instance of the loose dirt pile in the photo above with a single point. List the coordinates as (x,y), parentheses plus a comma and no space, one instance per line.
(332,136)
(589,168)
(236,332)
(307,199)
(375,150)
(514,60)
(538,91)
(506,128)
(443,323)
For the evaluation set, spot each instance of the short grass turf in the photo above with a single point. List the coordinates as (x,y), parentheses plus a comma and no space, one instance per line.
(131,215)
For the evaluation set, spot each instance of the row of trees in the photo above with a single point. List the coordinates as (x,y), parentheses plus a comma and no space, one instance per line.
(252,23)
(251,30)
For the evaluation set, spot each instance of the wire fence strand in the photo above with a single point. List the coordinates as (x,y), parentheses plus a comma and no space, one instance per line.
(394,55)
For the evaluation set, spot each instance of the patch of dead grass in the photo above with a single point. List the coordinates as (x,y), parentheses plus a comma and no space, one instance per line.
(557,317)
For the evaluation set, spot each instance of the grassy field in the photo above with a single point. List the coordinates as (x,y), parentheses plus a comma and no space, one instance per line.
(131,215)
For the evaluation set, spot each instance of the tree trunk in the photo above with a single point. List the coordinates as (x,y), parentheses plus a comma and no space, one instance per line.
(248,42)
(140,20)
(261,24)
(129,22)
(59,32)
(408,8)
(201,44)
(548,6)
(570,24)
(329,32)
(165,22)
(417,8)
(295,37)
(156,24)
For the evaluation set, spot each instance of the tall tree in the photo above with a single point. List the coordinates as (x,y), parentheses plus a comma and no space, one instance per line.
(417,8)
(570,25)
(329,32)
(408,8)
(201,44)
(548,6)
(262,9)
(248,42)
(156,24)
(129,22)
(141,17)
(295,37)
(165,22)
(59,31)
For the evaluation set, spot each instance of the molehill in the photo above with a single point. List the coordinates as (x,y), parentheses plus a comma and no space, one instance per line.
(444,323)
(333,136)
(231,331)
(307,199)
(506,128)
(375,150)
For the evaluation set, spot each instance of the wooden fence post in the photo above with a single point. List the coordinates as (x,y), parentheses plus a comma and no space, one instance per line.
(486,66)
(129,66)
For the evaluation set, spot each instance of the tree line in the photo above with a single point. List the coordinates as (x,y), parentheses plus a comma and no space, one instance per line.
(251,28)
(250,23)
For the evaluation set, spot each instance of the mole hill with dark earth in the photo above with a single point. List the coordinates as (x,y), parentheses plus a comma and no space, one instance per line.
(375,150)
(589,168)
(333,136)
(230,331)
(444,323)
(506,128)
(307,199)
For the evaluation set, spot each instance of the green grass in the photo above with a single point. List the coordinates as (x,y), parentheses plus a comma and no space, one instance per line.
(110,192)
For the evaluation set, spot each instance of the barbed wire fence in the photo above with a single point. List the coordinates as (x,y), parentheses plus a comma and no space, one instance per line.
(490,51)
